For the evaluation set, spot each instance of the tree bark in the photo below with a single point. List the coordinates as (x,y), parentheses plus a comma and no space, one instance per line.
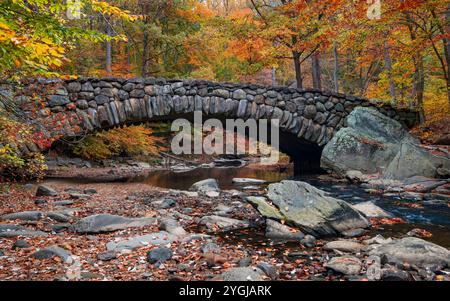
(388,66)
(447,51)
(419,85)
(108,46)
(298,70)
(336,68)
(315,64)
(274,77)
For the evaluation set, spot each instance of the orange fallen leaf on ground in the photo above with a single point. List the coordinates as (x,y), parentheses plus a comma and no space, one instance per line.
(387,221)
(410,205)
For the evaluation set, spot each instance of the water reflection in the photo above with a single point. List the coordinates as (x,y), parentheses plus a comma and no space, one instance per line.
(184,180)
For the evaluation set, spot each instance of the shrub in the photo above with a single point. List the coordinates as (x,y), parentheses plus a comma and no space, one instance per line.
(130,141)
(15,165)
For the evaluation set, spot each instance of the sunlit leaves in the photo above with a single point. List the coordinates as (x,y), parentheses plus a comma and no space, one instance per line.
(35,34)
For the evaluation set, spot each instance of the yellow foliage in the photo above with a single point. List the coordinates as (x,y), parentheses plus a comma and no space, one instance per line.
(129,140)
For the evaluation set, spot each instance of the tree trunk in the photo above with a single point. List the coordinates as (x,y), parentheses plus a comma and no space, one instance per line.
(388,66)
(447,51)
(418,76)
(315,64)
(274,77)
(145,53)
(298,70)
(108,46)
(336,68)
(419,86)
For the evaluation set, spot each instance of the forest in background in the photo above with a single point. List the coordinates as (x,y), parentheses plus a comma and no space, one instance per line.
(400,54)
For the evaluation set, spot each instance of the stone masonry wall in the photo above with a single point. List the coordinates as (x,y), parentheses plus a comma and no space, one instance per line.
(88,104)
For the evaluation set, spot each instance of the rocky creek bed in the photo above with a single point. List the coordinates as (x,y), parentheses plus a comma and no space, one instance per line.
(237,229)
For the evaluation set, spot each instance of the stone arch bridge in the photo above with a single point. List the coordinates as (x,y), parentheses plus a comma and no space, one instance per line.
(308,118)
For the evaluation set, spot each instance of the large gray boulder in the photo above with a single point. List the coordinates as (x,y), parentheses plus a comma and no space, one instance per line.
(414,251)
(374,143)
(102,223)
(308,208)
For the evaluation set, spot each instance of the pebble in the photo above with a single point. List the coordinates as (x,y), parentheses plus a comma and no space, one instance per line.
(40,202)
(245,262)
(309,241)
(21,244)
(45,191)
(159,255)
(209,247)
(269,270)
(347,265)
(106,256)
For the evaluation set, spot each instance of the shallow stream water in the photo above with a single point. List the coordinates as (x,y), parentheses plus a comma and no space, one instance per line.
(434,216)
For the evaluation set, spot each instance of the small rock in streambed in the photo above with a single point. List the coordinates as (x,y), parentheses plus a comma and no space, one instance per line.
(209,247)
(269,270)
(355,176)
(2,253)
(165,203)
(394,274)
(28,186)
(90,191)
(344,246)
(353,233)
(63,203)
(21,244)
(379,239)
(205,186)
(53,251)
(9,227)
(40,202)
(58,228)
(25,216)
(106,256)
(347,265)
(278,231)
(248,181)
(214,222)
(102,223)
(159,255)
(58,217)
(80,196)
(44,190)
(156,239)
(245,262)
(369,209)
(24,233)
(170,225)
(309,241)
(242,274)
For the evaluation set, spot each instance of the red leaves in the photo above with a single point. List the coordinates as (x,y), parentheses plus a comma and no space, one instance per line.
(376,222)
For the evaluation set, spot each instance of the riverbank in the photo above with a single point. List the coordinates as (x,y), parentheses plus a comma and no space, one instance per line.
(152,233)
